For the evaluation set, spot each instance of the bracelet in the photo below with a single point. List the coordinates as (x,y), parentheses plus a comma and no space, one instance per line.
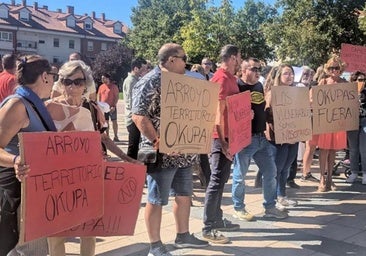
(15,158)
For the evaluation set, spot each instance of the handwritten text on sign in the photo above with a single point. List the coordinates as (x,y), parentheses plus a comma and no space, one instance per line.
(240,121)
(291,113)
(65,184)
(188,112)
(123,185)
(354,56)
(335,108)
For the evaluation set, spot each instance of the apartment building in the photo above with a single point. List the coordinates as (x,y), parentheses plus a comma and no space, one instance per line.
(55,34)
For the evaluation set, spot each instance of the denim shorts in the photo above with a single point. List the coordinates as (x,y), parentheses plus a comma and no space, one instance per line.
(169,182)
(113,115)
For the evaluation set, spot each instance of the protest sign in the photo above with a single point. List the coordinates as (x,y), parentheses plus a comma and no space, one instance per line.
(336,108)
(188,113)
(65,183)
(240,121)
(123,185)
(291,114)
(354,56)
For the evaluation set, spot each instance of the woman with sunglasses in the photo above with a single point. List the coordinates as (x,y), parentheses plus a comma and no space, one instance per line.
(68,114)
(357,139)
(330,143)
(23,111)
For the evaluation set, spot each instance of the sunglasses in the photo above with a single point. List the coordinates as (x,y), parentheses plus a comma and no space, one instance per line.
(76,82)
(255,69)
(334,68)
(361,79)
(207,63)
(184,57)
(54,75)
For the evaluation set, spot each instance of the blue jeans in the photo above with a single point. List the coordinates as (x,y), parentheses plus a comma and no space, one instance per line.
(260,151)
(284,156)
(220,173)
(357,147)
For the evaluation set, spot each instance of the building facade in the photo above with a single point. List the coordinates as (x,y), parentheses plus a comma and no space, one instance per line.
(55,34)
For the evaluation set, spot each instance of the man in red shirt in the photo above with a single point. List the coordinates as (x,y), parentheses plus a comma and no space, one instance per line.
(109,93)
(7,77)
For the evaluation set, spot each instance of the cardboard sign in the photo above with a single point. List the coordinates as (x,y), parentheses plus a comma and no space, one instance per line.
(336,108)
(123,185)
(188,113)
(354,56)
(240,121)
(65,184)
(291,114)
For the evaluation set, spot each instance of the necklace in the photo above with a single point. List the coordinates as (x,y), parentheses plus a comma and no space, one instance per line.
(74,106)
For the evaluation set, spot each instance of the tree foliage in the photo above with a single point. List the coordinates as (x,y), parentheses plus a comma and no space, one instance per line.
(115,61)
(308,31)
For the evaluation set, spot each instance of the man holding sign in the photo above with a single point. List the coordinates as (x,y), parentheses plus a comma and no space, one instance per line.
(220,157)
(170,174)
(259,149)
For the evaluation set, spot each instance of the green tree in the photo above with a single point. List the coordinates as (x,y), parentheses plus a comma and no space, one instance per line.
(308,31)
(156,22)
(115,61)
(362,19)
(247,33)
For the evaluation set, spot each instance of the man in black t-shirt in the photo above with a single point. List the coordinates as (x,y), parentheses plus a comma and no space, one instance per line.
(259,149)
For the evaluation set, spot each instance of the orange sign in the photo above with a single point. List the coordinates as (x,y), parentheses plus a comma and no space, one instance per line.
(240,121)
(65,184)
(354,56)
(123,185)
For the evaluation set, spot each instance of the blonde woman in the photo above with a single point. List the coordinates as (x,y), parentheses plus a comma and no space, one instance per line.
(329,143)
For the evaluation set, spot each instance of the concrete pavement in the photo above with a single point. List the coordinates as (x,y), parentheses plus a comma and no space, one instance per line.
(332,223)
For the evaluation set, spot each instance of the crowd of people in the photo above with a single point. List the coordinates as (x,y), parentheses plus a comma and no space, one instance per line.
(36,96)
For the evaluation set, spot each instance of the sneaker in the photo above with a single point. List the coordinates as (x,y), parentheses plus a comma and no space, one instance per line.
(215,237)
(243,215)
(364,179)
(115,139)
(225,225)
(292,184)
(284,201)
(309,177)
(159,251)
(352,178)
(189,240)
(275,213)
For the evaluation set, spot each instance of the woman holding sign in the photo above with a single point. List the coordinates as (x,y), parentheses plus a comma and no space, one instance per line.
(284,153)
(68,113)
(23,111)
(329,143)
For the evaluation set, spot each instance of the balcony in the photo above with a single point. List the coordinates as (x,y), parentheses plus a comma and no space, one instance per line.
(26,45)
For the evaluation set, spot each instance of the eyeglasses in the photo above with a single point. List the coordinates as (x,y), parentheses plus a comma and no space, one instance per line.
(255,69)
(76,82)
(55,76)
(207,63)
(184,57)
(334,68)
(361,79)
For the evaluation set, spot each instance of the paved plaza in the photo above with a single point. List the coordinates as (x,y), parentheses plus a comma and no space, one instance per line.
(332,223)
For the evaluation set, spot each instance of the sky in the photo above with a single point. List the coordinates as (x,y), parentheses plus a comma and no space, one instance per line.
(114,9)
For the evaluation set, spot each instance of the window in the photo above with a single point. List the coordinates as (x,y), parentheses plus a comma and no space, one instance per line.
(56,42)
(6,36)
(117,28)
(56,59)
(71,44)
(41,42)
(24,15)
(70,22)
(90,46)
(103,47)
(4,13)
(88,25)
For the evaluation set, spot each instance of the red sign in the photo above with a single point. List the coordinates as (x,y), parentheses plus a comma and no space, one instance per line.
(65,184)
(354,56)
(240,121)
(123,187)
